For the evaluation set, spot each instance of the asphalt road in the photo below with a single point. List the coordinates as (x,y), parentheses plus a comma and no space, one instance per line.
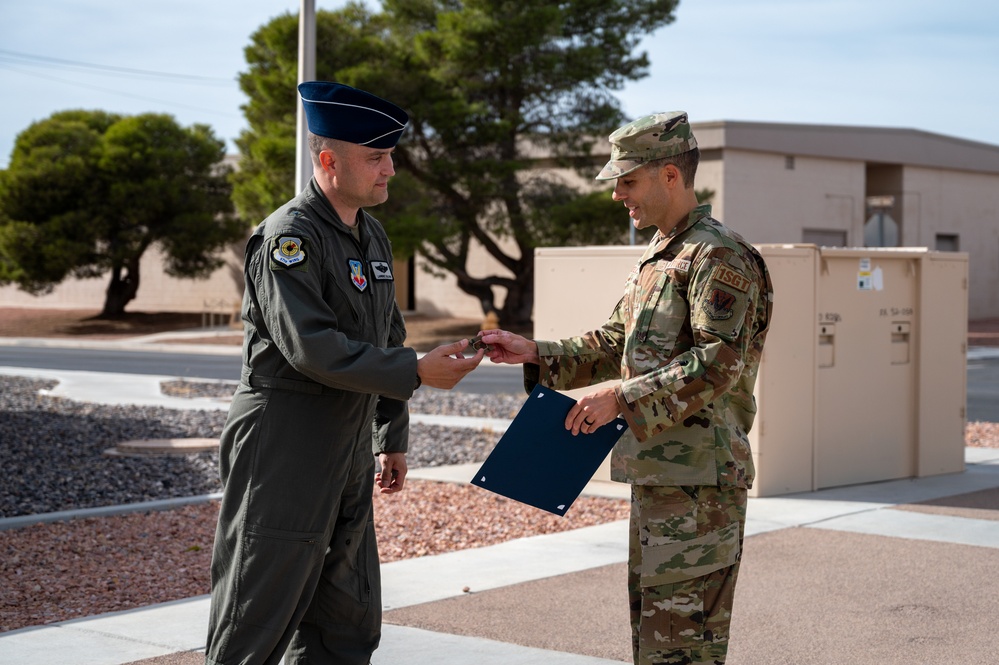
(983,390)
(485,380)
(982,397)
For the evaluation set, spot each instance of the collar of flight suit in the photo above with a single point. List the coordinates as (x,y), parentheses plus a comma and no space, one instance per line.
(318,201)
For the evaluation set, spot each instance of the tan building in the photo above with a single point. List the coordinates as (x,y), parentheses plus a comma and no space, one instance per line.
(833,186)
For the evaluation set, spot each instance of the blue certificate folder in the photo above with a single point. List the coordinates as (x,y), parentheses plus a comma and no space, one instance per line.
(538,461)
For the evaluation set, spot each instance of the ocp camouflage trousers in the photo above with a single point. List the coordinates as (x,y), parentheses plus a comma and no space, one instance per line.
(685,547)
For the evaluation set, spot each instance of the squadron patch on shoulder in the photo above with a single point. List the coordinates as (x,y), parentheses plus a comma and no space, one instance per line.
(381,270)
(721,309)
(719,305)
(720,312)
(357,274)
(288,252)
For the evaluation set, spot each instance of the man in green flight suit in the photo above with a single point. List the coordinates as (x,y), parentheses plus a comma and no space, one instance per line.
(682,348)
(323,394)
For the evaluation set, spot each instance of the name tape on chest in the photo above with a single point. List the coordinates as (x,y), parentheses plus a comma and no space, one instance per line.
(381,270)
(682,265)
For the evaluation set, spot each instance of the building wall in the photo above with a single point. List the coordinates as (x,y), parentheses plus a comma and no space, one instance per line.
(158,292)
(940,201)
(710,175)
(767,202)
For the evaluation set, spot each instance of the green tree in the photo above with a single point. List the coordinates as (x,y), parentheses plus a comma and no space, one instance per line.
(495,88)
(88,192)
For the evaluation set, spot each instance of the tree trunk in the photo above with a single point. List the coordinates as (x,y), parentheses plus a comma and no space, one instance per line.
(121,290)
(519,303)
(478,289)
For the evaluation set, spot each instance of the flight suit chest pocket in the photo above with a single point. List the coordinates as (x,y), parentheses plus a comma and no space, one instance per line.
(344,302)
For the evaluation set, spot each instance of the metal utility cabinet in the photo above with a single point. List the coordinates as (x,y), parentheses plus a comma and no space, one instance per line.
(863,377)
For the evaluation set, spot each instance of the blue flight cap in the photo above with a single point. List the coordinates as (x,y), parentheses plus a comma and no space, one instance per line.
(341,112)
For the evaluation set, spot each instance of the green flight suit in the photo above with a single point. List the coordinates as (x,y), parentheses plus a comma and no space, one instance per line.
(324,386)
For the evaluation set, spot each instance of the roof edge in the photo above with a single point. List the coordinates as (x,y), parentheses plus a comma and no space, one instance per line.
(893,145)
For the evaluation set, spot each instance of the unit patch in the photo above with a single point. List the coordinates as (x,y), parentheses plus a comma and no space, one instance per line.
(288,252)
(381,270)
(718,305)
(357,274)
(721,310)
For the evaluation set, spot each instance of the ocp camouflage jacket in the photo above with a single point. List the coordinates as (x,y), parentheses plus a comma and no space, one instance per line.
(685,341)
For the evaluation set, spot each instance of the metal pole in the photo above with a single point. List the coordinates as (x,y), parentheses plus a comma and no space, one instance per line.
(306,72)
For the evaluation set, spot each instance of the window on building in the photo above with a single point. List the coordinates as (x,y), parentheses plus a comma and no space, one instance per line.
(948,242)
(824,237)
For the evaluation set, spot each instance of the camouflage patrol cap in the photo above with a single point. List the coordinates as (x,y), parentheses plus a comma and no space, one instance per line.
(652,137)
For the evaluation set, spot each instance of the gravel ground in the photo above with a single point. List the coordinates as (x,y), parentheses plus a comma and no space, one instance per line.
(52,452)
(65,570)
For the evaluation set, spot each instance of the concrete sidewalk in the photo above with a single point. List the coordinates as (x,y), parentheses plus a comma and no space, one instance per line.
(896,572)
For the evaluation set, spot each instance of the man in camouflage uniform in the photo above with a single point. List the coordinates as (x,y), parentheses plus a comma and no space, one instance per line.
(682,348)
(320,417)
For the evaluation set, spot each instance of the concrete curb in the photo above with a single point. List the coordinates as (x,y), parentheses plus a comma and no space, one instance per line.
(105,511)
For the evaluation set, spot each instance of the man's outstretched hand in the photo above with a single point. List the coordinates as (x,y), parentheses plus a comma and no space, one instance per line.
(588,414)
(445,366)
(509,348)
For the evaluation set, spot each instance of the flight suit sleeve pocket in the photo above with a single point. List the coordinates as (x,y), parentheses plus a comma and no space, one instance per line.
(676,561)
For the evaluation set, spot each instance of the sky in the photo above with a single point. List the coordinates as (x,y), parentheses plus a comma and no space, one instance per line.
(912,64)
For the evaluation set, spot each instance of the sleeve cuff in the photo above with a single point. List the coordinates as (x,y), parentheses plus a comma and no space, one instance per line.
(532,376)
